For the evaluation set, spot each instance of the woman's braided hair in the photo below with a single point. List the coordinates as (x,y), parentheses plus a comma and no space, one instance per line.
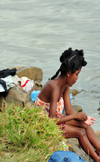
(70,60)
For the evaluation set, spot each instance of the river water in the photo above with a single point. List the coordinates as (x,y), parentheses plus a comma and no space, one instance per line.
(35,33)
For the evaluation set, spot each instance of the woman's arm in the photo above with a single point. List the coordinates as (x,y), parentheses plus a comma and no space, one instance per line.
(63,119)
(53,102)
(67,102)
(77,116)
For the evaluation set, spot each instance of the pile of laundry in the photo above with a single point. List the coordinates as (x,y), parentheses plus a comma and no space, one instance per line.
(8,79)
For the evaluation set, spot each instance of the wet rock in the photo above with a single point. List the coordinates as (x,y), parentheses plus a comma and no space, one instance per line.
(74,92)
(98,109)
(77,108)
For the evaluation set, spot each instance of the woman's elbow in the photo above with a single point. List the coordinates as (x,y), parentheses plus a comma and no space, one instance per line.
(70,112)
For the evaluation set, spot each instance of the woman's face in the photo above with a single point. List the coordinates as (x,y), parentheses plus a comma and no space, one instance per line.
(72,78)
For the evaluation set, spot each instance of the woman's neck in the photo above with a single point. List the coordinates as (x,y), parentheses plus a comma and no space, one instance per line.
(61,81)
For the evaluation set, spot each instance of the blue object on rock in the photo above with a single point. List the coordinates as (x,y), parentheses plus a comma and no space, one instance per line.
(65,156)
(71,96)
(34,95)
(70,99)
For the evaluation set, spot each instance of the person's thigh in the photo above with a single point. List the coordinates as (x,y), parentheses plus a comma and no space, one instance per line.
(74,132)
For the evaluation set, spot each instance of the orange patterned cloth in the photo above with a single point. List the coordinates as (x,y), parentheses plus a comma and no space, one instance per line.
(59,110)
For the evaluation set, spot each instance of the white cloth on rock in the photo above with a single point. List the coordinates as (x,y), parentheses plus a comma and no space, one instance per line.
(26,84)
(10,81)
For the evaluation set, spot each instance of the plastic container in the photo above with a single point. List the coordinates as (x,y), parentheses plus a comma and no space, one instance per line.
(34,95)
(71,96)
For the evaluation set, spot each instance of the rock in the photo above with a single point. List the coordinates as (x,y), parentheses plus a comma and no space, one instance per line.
(98,108)
(97,134)
(74,141)
(17,95)
(77,149)
(29,104)
(33,73)
(3,104)
(17,67)
(74,92)
(37,86)
(77,108)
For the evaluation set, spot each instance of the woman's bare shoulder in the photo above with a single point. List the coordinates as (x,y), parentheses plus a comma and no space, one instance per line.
(50,84)
(49,90)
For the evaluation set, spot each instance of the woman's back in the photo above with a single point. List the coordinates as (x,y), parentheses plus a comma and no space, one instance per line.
(49,88)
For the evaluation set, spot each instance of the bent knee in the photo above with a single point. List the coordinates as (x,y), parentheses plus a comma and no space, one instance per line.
(82,132)
(86,126)
(83,125)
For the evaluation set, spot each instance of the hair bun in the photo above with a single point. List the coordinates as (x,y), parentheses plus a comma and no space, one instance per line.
(84,63)
(80,52)
(65,54)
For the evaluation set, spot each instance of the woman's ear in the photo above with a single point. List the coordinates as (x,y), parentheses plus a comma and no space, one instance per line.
(68,73)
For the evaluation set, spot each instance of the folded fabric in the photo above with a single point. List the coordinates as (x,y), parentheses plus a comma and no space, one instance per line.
(26,84)
(3,88)
(4,73)
(10,81)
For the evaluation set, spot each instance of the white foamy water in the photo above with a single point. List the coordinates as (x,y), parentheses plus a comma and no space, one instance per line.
(35,33)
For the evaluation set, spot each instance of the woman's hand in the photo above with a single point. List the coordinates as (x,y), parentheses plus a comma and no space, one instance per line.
(90,120)
(81,116)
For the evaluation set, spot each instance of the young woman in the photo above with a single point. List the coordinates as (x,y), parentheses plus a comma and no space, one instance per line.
(55,94)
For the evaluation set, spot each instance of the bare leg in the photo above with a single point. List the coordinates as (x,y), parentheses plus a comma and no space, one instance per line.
(80,133)
(93,139)
(89,132)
